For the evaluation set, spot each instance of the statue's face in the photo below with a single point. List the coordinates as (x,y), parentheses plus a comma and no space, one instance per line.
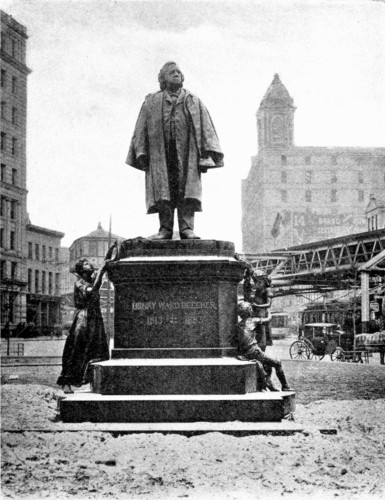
(88,268)
(173,75)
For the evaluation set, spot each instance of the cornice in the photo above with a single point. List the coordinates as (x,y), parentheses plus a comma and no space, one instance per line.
(16,64)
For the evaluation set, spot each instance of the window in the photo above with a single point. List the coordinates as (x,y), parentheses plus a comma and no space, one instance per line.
(360,195)
(3,141)
(43,282)
(13,209)
(43,253)
(14,176)
(2,237)
(308,176)
(308,160)
(57,283)
(3,78)
(93,246)
(14,270)
(50,283)
(372,223)
(333,195)
(283,160)
(3,110)
(308,196)
(2,207)
(3,270)
(50,254)
(360,160)
(12,240)
(360,177)
(14,85)
(14,146)
(37,252)
(284,195)
(14,47)
(57,254)
(36,281)
(333,179)
(283,177)
(30,254)
(334,160)
(29,280)
(3,42)
(3,172)
(15,116)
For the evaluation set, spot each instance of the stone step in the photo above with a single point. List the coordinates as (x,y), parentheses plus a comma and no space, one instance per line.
(253,407)
(174,352)
(187,429)
(174,376)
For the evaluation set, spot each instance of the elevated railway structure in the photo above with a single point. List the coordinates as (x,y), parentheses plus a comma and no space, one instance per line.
(343,263)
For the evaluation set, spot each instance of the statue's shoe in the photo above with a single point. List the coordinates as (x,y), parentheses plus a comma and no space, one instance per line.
(188,235)
(163,235)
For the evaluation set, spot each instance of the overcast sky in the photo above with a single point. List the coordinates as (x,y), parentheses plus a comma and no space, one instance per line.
(93,62)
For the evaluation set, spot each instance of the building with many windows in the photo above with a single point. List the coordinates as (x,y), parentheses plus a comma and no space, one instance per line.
(295,195)
(29,274)
(43,278)
(13,202)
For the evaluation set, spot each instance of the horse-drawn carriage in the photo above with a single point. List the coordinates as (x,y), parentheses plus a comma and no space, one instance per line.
(316,340)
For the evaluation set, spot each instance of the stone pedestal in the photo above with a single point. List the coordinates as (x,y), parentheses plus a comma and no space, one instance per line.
(174,356)
(174,376)
(176,299)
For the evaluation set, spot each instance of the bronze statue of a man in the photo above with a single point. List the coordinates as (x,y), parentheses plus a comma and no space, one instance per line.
(174,142)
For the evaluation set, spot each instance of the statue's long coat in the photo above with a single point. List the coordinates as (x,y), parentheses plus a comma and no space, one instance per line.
(193,143)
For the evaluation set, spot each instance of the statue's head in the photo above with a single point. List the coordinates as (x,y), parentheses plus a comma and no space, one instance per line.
(83,266)
(244,309)
(170,76)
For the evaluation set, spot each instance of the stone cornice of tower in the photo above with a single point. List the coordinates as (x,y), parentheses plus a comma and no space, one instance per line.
(13,24)
(12,188)
(16,64)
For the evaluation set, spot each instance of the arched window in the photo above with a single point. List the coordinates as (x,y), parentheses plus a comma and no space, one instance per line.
(277,129)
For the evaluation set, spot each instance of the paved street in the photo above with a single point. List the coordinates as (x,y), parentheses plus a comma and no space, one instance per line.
(35,350)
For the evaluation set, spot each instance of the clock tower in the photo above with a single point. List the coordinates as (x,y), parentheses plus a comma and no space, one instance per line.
(275,117)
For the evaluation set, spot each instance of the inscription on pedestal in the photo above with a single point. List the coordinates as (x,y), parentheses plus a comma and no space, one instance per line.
(183,320)
(171,313)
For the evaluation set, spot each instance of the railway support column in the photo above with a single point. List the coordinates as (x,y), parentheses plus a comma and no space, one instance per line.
(364,301)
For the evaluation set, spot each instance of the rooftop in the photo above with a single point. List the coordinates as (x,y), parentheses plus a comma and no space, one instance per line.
(277,93)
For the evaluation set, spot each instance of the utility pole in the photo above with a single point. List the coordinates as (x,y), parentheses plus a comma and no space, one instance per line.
(108,317)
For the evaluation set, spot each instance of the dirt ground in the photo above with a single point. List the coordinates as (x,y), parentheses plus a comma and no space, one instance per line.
(61,465)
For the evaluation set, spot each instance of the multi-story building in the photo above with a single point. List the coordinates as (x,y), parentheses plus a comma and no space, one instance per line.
(13,203)
(43,278)
(295,195)
(29,273)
